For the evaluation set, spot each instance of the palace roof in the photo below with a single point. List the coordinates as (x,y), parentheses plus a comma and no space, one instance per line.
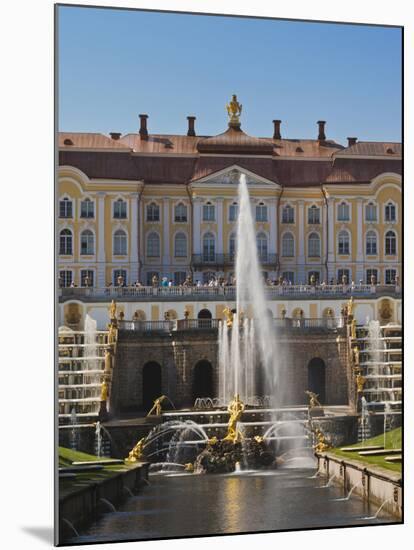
(157,158)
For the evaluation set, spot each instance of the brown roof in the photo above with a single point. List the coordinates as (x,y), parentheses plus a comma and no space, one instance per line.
(162,144)
(373,148)
(81,140)
(361,171)
(235,141)
(306,148)
(205,166)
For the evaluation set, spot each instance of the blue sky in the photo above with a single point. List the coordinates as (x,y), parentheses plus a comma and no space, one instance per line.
(115,64)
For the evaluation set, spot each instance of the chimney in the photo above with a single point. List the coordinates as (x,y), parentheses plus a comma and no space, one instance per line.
(351,141)
(276,131)
(321,135)
(115,135)
(191,131)
(143,132)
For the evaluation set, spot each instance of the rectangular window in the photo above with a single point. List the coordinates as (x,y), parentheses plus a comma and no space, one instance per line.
(179,277)
(65,208)
(343,273)
(343,212)
(390,215)
(233,211)
(87,277)
(120,273)
(372,273)
(180,214)
(208,213)
(65,278)
(390,275)
(153,212)
(370,213)
(120,209)
(87,209)
(289,277)
(313,215)
(288,215)
(261,213)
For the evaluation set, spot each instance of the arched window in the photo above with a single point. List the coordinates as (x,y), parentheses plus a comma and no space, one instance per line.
(180,245)
(288,214)
(153,212)
(87,209)
(120,209)
(288,245)
(390,213)
(153,245)
(65,208)
(233,212)
(343,243)
(232,245)
(370,212)
(180,212)
(314,245)
(371,243)
(66,242)
(261,212)
(120,243)
(390,243)
(313,215)
(261,241)
(208,212)
(343,212)
(209,247)
(87,242)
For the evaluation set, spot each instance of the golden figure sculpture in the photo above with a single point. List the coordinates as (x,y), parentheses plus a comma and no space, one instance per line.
(112,310)
(186,313)
(360,382)
(313,399)
(321,444)
(350,306)
(234,109)
(235,408)
(136,452)
(258,438)
(157,406)
(213,440)
(189,467)
(229,316)
(108,360)
(356,355)
(353,329)
(104,391)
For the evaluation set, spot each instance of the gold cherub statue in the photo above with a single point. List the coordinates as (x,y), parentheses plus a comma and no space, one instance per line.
(353,329)
(157,406)
(234,109)
(313,399)
(235,408)
(229,316)
(360,381)
(356,355)
(104,391)
(321,444)
(350,306)
(112,310)
(136,452)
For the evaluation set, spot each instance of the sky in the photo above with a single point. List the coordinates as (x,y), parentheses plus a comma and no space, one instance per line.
(115,64)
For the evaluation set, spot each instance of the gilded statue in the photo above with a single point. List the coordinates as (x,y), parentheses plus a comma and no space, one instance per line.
(112,310)
(350,306)
(321,444)
(356,355)
(229,316)
(360,382)
(313,399)
(234,109)
(353,329)
(213,440)
(111,333)
(189,467)
(137,452)
(156,408)
(235,409)
(104,391)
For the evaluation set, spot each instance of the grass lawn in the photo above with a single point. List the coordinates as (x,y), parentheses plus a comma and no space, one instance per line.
(393,441)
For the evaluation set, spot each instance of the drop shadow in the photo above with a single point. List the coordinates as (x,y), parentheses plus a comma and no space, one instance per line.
(42,533)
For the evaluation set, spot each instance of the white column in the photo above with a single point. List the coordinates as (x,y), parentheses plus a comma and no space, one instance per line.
(272,227)
(133,274)
(331,238)
(219,248)
(360,241)
(166,232)
(301,247)
(197,226)
(101,283)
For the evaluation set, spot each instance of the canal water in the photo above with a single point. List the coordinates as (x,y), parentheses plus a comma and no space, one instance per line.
(175,505)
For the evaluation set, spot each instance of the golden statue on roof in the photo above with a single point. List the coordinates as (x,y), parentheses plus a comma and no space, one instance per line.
(234,109)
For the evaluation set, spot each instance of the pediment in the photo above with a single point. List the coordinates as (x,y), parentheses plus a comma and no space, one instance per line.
(231,176)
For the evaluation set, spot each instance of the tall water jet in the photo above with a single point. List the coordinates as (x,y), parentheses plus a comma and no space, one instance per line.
(249,364)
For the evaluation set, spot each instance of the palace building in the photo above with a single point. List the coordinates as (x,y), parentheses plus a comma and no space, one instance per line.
(138,206)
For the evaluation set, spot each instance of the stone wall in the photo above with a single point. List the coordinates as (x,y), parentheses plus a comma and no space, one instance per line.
(178,353)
